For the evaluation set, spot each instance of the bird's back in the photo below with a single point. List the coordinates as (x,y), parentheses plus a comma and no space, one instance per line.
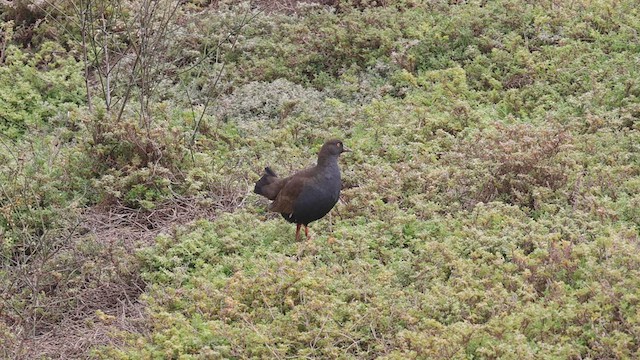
(308,195)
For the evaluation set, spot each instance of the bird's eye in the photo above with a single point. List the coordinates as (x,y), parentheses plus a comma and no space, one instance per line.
(339,144)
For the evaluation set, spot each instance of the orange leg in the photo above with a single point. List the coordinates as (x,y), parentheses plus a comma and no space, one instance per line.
(298,231)
(306,232)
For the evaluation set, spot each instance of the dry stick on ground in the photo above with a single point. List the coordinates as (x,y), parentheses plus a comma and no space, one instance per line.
(253,327)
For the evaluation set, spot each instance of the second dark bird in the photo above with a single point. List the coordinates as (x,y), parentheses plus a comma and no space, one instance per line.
(309,194)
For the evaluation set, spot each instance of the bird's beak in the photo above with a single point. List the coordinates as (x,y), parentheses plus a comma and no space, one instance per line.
(345,149)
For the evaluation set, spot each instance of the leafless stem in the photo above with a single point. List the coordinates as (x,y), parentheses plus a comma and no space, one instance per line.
(107,64)
(85,57)
(245,20)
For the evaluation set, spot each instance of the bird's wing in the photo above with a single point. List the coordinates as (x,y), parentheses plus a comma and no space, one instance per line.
(289,194)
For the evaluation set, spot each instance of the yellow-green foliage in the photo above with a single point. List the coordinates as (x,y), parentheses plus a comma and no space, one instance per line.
(489,283)
(37,90)
(490,207)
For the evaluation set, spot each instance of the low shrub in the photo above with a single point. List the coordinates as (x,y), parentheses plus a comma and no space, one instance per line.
(37,91)
(510,163)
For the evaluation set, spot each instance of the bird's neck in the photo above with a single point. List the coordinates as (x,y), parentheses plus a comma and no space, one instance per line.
(327,161)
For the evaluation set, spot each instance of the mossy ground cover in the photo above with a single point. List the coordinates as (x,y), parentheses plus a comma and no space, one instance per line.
(490,207)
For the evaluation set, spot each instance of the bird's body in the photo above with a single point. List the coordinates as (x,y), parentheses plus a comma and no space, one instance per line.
(309,194)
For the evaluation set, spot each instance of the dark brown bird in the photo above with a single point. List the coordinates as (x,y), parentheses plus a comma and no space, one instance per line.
(309,194)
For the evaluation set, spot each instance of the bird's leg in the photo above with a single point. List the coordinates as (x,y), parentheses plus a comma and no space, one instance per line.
(301,246)
(306,232)
(298,231)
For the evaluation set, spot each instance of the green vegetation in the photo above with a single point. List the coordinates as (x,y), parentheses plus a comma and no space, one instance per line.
(491,206)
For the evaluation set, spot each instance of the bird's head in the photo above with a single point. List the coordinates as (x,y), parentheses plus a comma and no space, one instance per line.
(334,147)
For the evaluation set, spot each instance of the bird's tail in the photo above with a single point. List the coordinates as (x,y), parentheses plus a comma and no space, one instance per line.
(262,186)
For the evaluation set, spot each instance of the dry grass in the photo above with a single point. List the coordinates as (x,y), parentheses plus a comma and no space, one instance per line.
(74,337)
(89,312)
